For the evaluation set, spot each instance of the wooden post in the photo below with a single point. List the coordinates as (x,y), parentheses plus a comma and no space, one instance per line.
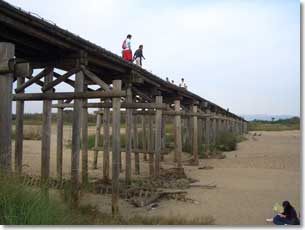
(46,133)
(163,136)
(97,138)
(7,52)
(106,144)
(21,71)
(200,130)
(116,147)
(144,138)
(178,134)
(76,130)
(84,140)
(136,145)
(59,140)
(207,133)
(128,138)
(158,138)
(195,136)
(150,144)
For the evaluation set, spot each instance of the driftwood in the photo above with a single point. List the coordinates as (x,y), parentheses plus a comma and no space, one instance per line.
(206,167)
(206,186)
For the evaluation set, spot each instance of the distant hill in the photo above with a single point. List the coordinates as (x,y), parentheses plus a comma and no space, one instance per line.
(265,117)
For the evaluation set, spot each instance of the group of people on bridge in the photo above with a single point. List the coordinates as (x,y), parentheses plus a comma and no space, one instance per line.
(127,51)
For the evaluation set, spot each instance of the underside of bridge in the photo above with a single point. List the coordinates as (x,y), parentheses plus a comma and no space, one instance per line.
(29,43)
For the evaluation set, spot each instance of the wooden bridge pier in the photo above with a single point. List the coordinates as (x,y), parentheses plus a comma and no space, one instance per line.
(122,85)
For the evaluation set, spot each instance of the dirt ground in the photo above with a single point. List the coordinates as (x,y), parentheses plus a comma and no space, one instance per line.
(263,170)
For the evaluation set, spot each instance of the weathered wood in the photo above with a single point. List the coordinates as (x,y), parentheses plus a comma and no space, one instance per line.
(60,96)
(46,134)
(106,143)
(59,146)
(116,148)
(97,138)
(195,137)
(84,142)
(144,138)
(76,131)
(21,74)
(163,136)
(136,145)
(7,52)
(128,105)
(40,83)
(60,79)
(95,78)
(178,140)
(128,138)
(32,80)
(150,144)
(207,134)
(158,137)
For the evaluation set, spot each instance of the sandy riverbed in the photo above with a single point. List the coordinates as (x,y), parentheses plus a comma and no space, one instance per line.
(263,170)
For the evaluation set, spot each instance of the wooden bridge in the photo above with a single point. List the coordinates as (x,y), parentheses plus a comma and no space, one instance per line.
(28,43)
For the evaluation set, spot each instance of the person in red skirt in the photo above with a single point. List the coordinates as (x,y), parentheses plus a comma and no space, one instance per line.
(126,46)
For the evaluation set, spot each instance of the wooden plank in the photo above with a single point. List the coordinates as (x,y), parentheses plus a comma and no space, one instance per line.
(95,78)
(106,144)
(60,96)
(25,71)
(33,80)
(116,148)
(178,139)
(195,136)
(40,83)
(46,134)
(150,144)
(97,138)
(158,137)
(76,131)
(59,146)
(136,145)
(128,134)
(84,140)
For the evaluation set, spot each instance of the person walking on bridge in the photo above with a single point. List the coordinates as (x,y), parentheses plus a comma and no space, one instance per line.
(126,46)
(138,55)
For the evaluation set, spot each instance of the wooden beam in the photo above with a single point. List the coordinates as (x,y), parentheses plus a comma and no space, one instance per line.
(95,79)
(76,130)
(97,138)
(128,105)
(195,136)
(158,137)
(46,135)
(106,144)
(178,140)
(84,142)
(128,134)
(72,95)
(60,79)
(59,146)
(136,145)
(144,138)
(33,80)
(150,144)
(116,148)
(24,70)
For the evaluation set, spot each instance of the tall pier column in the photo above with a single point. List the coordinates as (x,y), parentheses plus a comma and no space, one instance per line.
(7,52)
(178,139)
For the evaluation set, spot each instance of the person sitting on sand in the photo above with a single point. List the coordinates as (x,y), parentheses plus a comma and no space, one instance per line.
(287,217)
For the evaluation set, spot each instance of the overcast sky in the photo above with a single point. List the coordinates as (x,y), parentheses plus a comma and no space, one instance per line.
(243,55)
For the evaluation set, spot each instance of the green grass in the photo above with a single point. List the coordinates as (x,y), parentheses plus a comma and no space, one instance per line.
(279,125)
(22,205)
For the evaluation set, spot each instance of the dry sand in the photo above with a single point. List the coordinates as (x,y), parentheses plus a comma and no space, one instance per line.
(263,170)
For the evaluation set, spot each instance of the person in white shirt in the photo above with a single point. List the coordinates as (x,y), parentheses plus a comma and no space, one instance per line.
(182,84)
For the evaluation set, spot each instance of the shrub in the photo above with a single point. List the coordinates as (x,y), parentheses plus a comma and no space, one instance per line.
(30,132)
(226,141)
